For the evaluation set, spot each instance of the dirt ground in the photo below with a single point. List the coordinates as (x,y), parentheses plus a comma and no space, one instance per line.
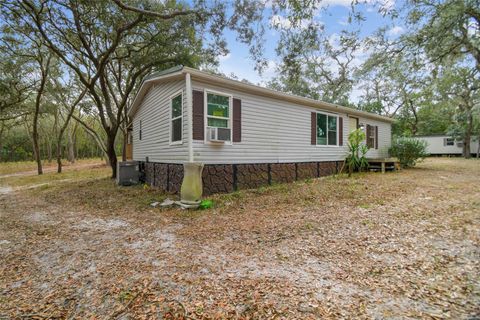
(394,246)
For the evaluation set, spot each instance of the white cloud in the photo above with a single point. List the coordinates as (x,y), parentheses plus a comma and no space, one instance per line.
(343,21)
(281,22)
(387,4)
(395,31)
(225,57)
(334,40)
(343,3)
(268,4)
(383,5)
(356,94)
(270,69)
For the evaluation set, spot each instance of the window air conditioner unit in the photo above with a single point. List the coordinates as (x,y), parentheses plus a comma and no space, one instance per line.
(218,134)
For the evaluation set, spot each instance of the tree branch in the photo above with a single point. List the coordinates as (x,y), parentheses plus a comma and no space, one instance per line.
(167,16)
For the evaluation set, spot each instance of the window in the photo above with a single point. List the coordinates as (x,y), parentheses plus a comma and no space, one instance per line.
(327,129)
(140,131)
(448,142)
(218,110)
(370,136)
(176,118)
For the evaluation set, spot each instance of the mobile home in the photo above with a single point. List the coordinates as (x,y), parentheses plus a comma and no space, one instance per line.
(444,145)
(244,135)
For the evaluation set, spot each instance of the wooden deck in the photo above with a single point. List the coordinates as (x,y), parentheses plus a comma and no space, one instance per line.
(383,164)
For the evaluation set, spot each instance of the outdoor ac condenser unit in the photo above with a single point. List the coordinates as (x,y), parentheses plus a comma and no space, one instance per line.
(218,134)
(128,173)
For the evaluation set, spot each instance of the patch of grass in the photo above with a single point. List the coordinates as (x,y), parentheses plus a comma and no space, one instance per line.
(367,223)
(21,166)
(227,197)
(125,296)
(18,166)
(308,226)
(365,206)
(50,178)
(261,190)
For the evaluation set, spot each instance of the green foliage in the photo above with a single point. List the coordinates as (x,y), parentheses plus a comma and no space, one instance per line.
(206,204)
(409,151)
(356,159)
(314,65)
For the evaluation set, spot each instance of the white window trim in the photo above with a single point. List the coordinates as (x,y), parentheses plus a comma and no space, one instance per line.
(179,142)
(338,135)
(206,116)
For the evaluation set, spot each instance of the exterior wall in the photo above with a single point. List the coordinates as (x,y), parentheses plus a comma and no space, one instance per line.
(435,145)
(384,137)
(225,178)
(274,131)
(155,115)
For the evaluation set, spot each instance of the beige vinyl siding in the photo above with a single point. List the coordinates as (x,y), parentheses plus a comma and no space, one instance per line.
(384,137)
(272,131)
(154,112)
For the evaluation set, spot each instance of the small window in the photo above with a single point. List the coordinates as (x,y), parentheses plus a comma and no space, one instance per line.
(176,118)
(140,131)
(370,136)
(327,130)
(448,141)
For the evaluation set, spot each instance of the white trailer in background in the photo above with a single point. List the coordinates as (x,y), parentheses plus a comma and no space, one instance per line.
(439,145)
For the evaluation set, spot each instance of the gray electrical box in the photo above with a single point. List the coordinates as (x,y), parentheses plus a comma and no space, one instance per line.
(128,173)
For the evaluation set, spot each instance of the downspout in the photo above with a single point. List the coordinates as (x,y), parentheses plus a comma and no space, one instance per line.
(192,188)
(188,88)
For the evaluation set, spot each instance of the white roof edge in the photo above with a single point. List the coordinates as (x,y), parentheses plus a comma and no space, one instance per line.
(143,90)
(202,75)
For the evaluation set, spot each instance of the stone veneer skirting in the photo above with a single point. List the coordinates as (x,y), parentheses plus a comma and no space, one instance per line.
(225,178)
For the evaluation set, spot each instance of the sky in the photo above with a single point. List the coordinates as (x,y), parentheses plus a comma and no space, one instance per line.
(334,17)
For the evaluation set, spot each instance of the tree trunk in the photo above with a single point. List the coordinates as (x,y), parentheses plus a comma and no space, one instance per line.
(59,155)
(36,147)
(49,151)
(466,146)
(74,141)
(70,148)
(44,69)
(112,156)
(2,129)
(415,121)
(468,136)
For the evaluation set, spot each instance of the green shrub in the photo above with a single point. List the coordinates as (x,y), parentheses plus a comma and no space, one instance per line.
(409,151)
(356,159)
